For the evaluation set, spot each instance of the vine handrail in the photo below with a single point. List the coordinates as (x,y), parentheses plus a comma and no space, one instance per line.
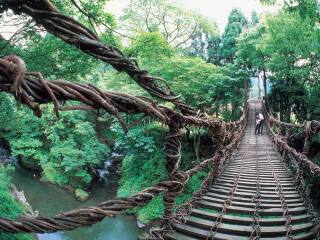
(297,163)
(32,89)
(309,129)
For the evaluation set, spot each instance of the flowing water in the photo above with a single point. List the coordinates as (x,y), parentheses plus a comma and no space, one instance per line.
(104,172)
(50,200)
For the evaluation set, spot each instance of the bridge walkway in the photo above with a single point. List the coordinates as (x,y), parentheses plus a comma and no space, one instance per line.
(264,201)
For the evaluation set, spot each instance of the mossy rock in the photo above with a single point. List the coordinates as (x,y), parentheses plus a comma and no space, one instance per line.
(81,195)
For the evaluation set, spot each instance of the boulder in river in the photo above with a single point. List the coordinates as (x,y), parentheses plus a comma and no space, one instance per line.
(81,195)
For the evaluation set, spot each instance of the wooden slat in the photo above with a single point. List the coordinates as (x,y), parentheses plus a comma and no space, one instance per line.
(246,199)
(203,234)
(253,188)
(243,220)
(254,178)
(245,210)
(270,195)
(270,181)
(266,231)
(251,204)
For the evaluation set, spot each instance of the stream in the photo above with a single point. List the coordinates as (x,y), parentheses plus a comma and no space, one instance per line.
(49,200)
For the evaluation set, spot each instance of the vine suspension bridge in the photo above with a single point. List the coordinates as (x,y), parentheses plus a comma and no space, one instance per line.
(255,192)
(253,197)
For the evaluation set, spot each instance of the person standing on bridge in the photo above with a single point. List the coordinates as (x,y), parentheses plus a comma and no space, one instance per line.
(261,118)
(257,129)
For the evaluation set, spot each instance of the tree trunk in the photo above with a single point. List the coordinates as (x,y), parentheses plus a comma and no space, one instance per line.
(217,111)
(196,145)
(265,83)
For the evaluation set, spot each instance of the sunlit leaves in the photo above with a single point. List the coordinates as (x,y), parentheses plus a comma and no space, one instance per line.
(176,24)
(150,47)
(237,22)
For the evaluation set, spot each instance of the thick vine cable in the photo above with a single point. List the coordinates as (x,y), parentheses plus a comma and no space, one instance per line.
(76,34)
(32,90)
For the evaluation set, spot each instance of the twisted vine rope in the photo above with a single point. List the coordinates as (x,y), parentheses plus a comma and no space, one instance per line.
(76,34)
(311,129)
(307,130)
(32,89)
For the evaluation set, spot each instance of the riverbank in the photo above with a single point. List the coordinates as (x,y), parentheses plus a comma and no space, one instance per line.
(48,200)
(9,206)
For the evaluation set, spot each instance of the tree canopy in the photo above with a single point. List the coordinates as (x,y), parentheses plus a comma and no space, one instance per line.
(237,22)
(176,24)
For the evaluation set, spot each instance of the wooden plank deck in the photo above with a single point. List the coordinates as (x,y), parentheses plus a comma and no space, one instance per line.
(258,165)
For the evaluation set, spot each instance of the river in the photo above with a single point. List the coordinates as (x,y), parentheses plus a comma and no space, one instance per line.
(49,200)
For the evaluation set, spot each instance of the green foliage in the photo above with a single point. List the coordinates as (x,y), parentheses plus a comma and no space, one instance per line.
(9,207)
(249,53)
(193,78)
(293,52)
(74,149)
(305,8)
(204,40)
(288,47)
(191,187)
(254,18)
(139,143)
(153,210)
(231,91)
(313,103)
(143,165)
(237,22)
(213,50)
(150,47)
(56,59)
(64,148)
(93,15)
(203,85)
(176,24)
(6,197)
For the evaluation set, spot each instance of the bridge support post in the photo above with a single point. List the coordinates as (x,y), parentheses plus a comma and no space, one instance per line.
(177,177)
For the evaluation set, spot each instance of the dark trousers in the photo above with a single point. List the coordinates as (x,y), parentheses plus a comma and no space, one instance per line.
(261,126)
(257,129)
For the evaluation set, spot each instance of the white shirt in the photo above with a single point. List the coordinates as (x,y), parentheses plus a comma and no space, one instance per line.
(261,116)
